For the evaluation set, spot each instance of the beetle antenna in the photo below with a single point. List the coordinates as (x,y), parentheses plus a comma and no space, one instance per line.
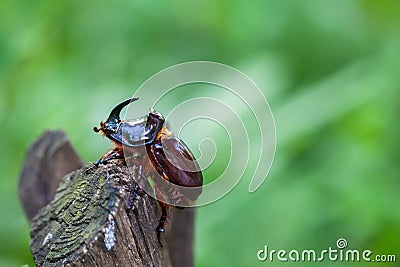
(114,114)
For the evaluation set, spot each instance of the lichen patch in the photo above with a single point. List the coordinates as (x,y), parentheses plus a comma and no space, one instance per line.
(109,236)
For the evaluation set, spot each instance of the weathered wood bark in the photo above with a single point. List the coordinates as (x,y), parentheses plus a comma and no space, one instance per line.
(89,223)
(179,237)
(47,161)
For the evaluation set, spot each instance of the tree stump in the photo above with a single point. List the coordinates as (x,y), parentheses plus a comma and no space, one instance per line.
(94,218)
(48,160)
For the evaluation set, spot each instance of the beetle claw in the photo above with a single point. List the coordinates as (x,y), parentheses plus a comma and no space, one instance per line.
(160,229)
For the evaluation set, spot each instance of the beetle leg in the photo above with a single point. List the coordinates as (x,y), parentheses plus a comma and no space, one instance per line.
(136,189)
(112,154)
(163,219)
(132,198)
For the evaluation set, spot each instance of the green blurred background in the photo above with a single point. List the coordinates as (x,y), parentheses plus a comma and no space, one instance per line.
(330,71)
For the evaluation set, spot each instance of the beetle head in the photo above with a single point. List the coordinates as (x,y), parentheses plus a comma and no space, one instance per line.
(111,125)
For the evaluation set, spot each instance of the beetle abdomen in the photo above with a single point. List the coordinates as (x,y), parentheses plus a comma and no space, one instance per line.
(172,158)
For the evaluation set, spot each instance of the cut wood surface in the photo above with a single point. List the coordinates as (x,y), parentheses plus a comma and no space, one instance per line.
(93,219)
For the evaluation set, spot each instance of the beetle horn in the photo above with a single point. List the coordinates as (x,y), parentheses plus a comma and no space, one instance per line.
(114,114)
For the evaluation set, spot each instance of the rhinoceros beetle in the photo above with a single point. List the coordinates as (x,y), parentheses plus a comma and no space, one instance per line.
(151,133)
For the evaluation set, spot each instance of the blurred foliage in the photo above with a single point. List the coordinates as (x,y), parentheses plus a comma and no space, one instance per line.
(330,70)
